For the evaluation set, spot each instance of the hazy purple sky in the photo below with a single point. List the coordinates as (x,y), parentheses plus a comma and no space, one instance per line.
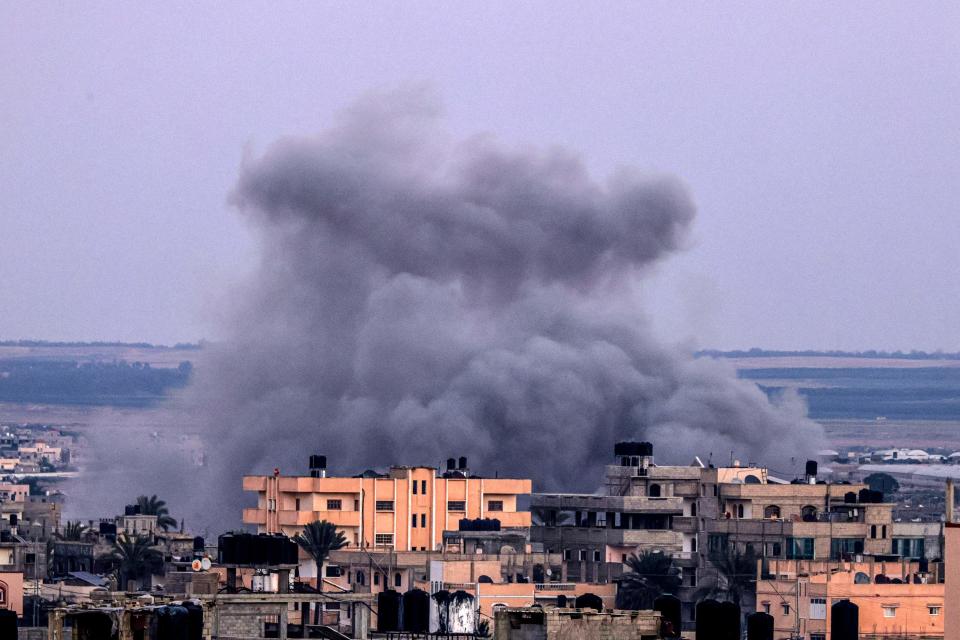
(821,143)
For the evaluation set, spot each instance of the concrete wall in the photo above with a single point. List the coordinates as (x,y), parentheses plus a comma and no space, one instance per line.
(572,624)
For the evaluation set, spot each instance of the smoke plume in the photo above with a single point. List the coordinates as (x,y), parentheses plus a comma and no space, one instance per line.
(421,297)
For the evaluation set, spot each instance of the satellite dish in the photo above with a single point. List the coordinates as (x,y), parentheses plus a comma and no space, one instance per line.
(205,564)
(196,565)
(549,572)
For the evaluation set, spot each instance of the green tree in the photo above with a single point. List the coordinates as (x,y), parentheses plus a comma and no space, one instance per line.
(134,558)
(734,575)
(650,575)
(72,532)
(153,506)
(318,539)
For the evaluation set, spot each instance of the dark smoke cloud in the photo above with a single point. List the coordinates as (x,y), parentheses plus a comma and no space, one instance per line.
(421,298)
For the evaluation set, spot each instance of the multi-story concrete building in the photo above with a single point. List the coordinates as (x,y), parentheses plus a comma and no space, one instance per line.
(406,509)
(694,512)
(897,599)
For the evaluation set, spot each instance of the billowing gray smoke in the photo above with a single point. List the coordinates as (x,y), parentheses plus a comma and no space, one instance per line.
(421,298)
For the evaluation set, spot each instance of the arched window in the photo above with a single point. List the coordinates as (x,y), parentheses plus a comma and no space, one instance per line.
(693,509)
(654,491)
(397,579)
(809,513)
(873,531)
(883,531)
(771,511)
(360,578)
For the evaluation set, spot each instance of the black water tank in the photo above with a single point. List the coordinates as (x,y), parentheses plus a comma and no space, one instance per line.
(864,495)
(290,553)
(451,464)
(729,621)
(759,626)
(845,620)
(172,623)
(462,462)
(198,543)
(633,449)
(226,548)
(708,620)
(669,608)
(259,549)
(876,497)
(243,549)
(130,510)
(416,611)
(850,497)
(589,601)
(194,620)
(318,462)
(811,468)
(562,601)
(388,611)
(8,624)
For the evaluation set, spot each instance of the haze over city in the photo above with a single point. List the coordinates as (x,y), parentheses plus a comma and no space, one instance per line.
(479,320)
(817,142)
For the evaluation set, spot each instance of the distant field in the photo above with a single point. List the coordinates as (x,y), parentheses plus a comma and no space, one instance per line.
(93,375)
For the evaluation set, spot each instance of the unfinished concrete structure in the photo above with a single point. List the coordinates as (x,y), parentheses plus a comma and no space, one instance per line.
(534,623)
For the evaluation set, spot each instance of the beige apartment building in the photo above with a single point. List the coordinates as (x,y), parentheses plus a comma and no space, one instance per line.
(405,509)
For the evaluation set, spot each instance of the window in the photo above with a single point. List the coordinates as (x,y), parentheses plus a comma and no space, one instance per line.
(800,548)
(890,612)
(740,511)
(845,548)
(775,549)
(397,579)
(423,521)
(423,487)
(818,608)
(601,519)
(908,547)
(296,503)
(771,511)
(456,505)
(568,554)
(356,507)
(376,579)
(766,608)
(808,513)
(717,542)
(360,578)
(414,487)
(596,556)
(495,505)
(383,539)
(332,505)
(413,521)
(654,491)
(818,636)
(933,610)
(384,505)
(693,509)
(786,608)
(693,544)
(883,531)
(873,531)
(332,571)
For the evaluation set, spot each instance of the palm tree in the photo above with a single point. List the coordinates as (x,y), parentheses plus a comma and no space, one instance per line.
(734,575)
(318,539)
(72,532)
(153,506)
(134,557)
(651,575)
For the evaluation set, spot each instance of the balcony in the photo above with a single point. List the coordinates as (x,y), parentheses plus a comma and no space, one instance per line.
(685,524)
(255,516)
(623,504)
